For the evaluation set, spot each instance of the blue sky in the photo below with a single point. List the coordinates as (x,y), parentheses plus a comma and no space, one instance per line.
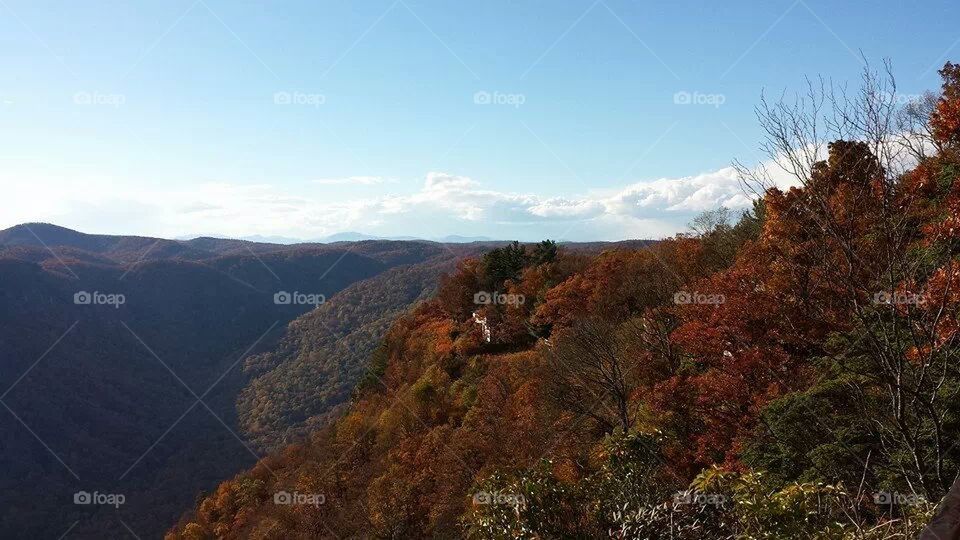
(509,119)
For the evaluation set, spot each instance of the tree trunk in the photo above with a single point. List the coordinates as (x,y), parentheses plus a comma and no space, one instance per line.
(945,524)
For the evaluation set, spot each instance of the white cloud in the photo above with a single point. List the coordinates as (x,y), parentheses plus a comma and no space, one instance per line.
(444,204)
(661,199)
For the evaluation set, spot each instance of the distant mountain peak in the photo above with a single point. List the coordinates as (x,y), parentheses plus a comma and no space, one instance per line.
(37,234)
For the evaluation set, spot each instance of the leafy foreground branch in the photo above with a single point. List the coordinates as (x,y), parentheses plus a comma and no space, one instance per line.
(620,500)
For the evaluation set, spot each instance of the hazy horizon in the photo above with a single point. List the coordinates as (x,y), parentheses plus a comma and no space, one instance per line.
(344,236)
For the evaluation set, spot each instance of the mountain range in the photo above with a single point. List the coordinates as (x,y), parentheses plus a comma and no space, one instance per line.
(346,236)
(138,395)
(157,368)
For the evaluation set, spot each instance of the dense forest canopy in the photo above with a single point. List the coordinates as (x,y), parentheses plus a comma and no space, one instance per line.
(790,372)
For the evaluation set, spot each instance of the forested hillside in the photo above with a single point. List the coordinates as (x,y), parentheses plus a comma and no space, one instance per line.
(103,397)
(301,383)
(788,373)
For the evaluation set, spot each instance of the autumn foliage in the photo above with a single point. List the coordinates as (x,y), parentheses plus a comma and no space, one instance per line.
(793,361)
